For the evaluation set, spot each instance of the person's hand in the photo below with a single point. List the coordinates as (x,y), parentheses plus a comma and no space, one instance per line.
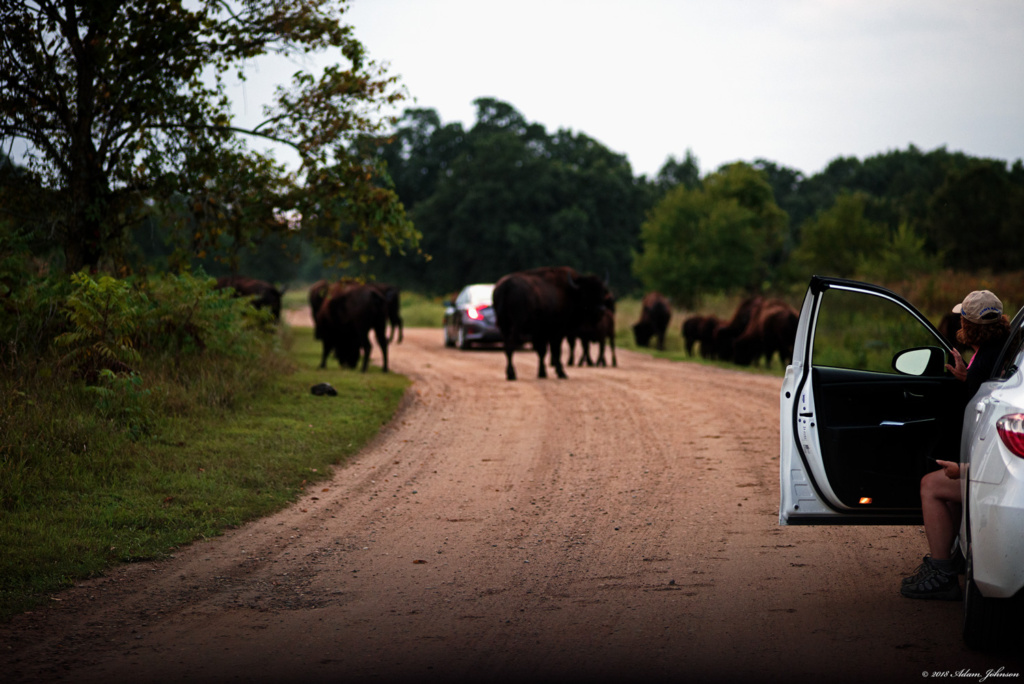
(959,371)
(951,469)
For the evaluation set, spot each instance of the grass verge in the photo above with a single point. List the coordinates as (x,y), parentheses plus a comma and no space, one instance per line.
(109,499)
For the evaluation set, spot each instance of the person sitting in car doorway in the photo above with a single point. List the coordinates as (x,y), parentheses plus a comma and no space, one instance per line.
(983,328)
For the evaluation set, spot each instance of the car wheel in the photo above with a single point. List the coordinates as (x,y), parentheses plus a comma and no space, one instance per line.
(460,339)
(448,341)
(986,620)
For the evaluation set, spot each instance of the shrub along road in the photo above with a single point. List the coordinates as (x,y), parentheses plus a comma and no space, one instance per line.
(617,525)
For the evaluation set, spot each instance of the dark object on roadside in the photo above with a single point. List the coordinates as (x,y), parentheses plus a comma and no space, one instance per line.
(262,294)
(546,305)
(347,313)
(324,390)
(655,314)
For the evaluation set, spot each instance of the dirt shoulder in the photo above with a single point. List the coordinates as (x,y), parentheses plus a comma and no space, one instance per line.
(621,524)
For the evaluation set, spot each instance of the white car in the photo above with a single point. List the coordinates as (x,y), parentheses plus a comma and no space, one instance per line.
(865,408)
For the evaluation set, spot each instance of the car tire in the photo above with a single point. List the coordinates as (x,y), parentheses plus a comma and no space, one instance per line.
(460,339)
(987,624)
(448,341)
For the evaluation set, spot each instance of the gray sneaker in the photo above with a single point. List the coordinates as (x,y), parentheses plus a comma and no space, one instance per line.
(923,569)
(933,584)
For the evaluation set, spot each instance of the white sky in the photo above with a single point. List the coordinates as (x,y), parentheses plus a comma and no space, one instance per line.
(797,82)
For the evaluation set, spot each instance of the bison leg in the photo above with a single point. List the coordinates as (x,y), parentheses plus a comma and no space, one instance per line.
(382,341)
(600,354)
(572,349)
(326,353)
(540,346)
(556,358)
(510,347)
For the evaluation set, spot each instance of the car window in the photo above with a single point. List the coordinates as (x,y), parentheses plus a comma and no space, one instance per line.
(863,331)
(1013,354)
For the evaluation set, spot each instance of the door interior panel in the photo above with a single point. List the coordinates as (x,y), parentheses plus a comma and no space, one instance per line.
(880,433)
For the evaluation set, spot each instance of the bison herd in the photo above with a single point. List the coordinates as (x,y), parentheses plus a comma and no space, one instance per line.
(543,306)
(759,328)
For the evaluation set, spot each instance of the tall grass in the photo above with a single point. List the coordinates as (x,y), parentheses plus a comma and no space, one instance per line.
(130,466)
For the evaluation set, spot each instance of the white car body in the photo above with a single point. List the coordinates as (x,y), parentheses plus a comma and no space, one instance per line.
(855,437)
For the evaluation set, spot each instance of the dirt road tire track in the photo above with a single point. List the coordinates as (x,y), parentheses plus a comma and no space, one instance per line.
(617,526)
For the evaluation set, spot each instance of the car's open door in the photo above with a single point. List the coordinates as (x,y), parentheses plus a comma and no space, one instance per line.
(865,408)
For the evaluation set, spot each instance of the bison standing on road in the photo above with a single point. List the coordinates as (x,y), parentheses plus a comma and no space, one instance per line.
(603,330)
(347,313)
(262,294)
(546,305)
(655,314)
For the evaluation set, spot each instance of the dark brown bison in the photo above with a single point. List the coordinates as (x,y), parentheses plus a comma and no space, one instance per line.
(318,293)
(691,330)
(655,314)
(262,294)
(708,329)
(392,295)
(727,333)
(601,332)
(347,314)
(699,329)
(546,305)
(770,330)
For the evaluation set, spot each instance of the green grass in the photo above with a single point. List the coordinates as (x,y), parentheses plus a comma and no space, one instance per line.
(109,498)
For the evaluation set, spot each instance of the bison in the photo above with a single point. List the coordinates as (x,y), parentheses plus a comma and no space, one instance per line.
(727,333)
(347,314)
(655,314)
(708,330)
(691,330)
(318,293)
(770,330)
(262,294)
(546,305)
(603,330)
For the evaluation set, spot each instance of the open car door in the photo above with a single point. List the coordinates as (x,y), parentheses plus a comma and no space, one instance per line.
(865,408)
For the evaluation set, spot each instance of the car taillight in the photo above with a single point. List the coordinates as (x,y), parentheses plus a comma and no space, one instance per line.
(1011,431)
(476,312)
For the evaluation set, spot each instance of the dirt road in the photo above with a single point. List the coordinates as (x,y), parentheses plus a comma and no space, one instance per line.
(621,525)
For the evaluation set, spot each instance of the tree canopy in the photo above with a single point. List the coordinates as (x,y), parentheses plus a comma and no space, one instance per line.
(125,112)
(508,195)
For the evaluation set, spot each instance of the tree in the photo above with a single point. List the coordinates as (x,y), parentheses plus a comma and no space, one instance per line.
(125,112)
(840,240)
(507,195)
(724,236)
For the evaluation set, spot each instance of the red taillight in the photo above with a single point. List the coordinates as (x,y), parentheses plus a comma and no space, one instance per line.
(1011,431)
(476,312)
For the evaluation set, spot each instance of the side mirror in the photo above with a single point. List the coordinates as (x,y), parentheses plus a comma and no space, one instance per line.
(920,361)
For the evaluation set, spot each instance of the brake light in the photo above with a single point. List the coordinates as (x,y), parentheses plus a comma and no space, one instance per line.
(1011,431)
(476,312)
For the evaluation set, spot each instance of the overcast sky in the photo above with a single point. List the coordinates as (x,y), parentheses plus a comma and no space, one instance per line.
(798,82)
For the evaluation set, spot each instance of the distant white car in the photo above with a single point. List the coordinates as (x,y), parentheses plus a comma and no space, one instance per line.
(867,406)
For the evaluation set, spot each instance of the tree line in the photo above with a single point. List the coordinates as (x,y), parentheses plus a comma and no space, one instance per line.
(505,194)
(135,165)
